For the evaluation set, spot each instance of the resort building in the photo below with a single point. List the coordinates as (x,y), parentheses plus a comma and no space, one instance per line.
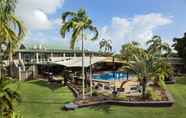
(31,62)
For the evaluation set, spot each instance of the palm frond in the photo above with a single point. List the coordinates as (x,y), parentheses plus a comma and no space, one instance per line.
(66,28)
(93,29)
(67,14)
(75,35)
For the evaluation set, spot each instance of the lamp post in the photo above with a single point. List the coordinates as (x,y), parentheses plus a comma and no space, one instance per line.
(83,68)
(113,62)
(90,75)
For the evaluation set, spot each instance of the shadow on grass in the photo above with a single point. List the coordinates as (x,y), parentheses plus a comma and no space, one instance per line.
(52,86)
(181,80)
(105,108)
(43,102)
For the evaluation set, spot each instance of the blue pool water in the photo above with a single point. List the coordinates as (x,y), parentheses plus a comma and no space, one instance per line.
(111,75)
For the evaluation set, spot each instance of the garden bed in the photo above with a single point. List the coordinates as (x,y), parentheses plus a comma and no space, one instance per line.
(89,103)
(131,101)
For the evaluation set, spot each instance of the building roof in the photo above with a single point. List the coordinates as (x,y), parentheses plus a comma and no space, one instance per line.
(58,51)
(76,61)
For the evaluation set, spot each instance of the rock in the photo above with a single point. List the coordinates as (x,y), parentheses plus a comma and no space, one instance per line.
(70,106)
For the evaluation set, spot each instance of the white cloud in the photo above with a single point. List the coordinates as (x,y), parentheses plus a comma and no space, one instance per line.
(34,39)
(58,22)
(35,12)
(139,28)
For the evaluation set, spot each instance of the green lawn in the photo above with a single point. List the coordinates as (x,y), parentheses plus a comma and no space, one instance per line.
(41,101)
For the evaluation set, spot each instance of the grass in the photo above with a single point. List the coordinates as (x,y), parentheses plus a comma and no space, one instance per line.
(41,101)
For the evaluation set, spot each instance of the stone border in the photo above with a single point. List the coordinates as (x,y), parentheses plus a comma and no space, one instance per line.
(130,103)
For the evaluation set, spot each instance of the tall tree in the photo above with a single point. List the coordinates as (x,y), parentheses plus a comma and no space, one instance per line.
(105,45)
(157,47)
(139,63)
(146,66)
(180,46)
(78,22)
(129,50)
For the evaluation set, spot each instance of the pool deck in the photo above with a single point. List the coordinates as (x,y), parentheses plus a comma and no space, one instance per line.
(132,81)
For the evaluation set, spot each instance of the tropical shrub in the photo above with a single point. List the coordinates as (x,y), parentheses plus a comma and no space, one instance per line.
(95,93)
(179,46)
(121,97)
(162,84)
(8,99)
(151,94)
(157,47)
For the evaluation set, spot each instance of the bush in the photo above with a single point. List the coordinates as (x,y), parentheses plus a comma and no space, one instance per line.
(121,97)
(95,93)
(151,94)
(162,84)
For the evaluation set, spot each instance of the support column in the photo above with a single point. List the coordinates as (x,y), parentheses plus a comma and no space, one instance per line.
(64,55)
(34,71)
(19,69)
(19,66)
(74,54)
(20,56)
(51,55)
(37,57)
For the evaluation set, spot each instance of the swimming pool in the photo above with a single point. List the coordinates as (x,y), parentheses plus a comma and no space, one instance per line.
(110,75)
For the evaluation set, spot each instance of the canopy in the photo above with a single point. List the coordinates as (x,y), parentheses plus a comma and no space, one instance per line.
(76,61)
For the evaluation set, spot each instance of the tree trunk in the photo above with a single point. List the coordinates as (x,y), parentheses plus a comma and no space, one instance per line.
(83,69)
(0,74)
(144,82)
(90,76)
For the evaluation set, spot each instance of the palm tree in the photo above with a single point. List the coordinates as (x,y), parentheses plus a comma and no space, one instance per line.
(157,47)
(105,45)
(129,50)
(12,29)
(142,66)
(163,70)
(148,67)
(78,22)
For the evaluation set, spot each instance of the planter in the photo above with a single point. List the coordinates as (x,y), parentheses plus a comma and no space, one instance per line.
(147,103)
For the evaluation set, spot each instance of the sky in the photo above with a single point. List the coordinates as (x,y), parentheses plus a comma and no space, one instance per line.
(121,21)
